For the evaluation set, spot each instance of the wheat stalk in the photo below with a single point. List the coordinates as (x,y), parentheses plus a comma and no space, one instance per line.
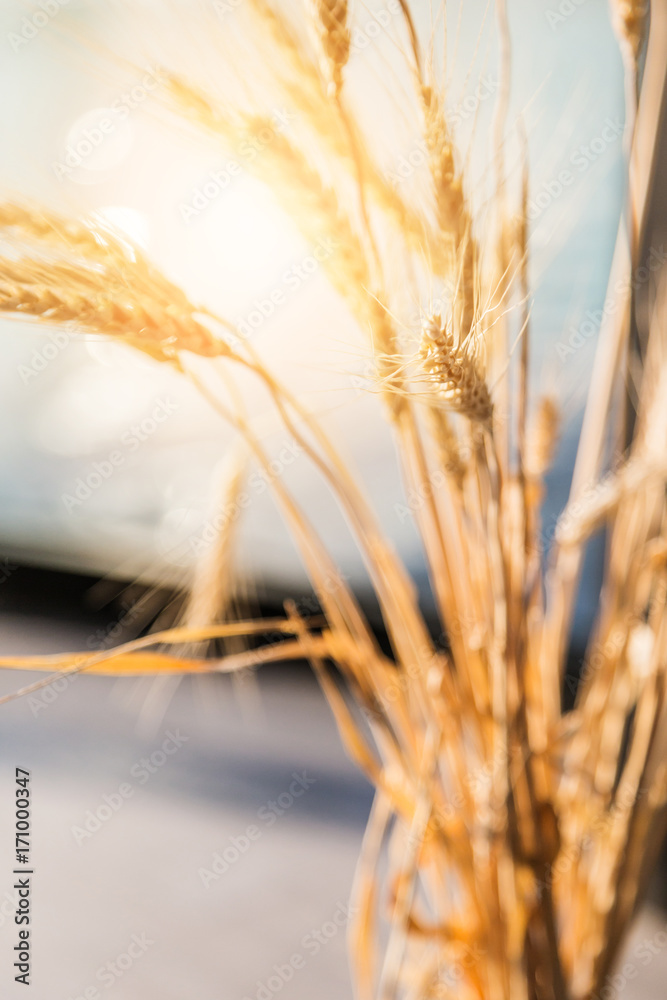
(448,447)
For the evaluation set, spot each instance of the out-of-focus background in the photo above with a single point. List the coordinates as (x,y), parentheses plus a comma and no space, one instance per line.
(68,400)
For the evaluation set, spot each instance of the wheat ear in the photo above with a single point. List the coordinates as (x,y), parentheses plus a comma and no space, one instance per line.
(211,590)
(330,20)
(84,272)
(543,437)
(630,18)
(454,372)
(303,85)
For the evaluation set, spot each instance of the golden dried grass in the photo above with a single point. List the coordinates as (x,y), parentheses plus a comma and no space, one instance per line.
(515,837)
(63,271)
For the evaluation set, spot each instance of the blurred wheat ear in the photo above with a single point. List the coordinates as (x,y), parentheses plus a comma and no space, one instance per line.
(510,841)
